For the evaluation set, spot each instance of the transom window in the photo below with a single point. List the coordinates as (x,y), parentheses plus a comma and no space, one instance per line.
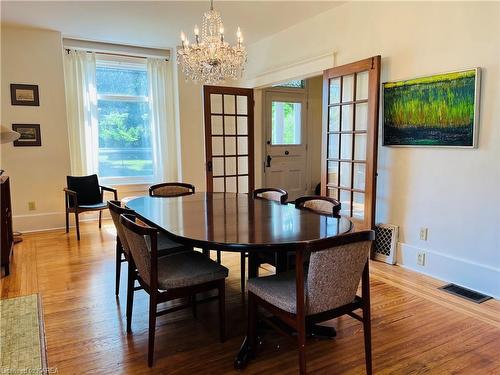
(294,84)
(124,147)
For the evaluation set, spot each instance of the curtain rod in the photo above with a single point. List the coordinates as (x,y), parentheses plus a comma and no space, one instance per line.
(116,49)
(68,50)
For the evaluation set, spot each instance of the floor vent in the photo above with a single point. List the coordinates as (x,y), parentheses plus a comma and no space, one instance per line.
(465,293)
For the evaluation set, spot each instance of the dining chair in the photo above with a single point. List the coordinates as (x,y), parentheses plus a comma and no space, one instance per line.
(84,194)
(319,204)
(171,189)
(122,254)
(274,259)
(271,194)
(326,289)
(171,277)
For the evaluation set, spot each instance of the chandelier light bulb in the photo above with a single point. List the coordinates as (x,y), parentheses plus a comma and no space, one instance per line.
(196,30)
(238,33)
(221,29)
(183,36)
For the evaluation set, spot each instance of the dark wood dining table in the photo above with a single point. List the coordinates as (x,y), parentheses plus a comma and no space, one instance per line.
(238,223)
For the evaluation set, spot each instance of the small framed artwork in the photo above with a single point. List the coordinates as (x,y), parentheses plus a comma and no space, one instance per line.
(30,135)
(440,110)
(21,94)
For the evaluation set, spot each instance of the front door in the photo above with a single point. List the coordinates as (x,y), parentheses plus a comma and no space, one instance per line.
(349,147)
(286,143)
(229,139)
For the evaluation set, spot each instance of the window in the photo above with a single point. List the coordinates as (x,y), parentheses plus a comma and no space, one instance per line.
(294,84)
(124,146)
(286,123)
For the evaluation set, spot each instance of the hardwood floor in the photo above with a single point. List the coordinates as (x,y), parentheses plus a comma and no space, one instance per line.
(416,328)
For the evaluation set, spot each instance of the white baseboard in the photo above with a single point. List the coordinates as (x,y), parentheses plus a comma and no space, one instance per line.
(479,277)
(50,221)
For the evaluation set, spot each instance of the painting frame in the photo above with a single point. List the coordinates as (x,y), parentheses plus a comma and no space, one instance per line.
(476,116)
(17,90)
(30,135)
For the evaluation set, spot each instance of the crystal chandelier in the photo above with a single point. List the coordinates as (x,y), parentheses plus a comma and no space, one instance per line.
(210,59)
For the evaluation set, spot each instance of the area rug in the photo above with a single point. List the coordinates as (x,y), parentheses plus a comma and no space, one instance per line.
(22,338)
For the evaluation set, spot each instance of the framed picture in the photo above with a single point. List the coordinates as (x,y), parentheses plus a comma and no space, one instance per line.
(30,135)
(441,110)
(21,94)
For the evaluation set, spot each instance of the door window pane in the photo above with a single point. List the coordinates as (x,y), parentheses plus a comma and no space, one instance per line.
(333,146)
(229,104)
(243,184)
(346,118)
(332,175)
(218,184)
(124,139)
(361,116)
(334,119)
(346,146)
(217,125)
(286,123)
(231,184)
(242,145)
(362,86)
(217,146)
(360,147)
(242,125)
(218,166)
(347,88)
(345,202)
(230,145)
(215,103)
(230,165)
(345,175)
(333,193)
(243,165)
(359,176)
(334,91)
(229,125)
(358,205)
(241,105)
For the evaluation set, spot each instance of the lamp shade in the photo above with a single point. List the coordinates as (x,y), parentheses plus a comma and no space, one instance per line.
(7,135)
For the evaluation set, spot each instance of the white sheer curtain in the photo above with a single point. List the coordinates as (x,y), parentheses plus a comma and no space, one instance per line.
(162,110)
(81,109)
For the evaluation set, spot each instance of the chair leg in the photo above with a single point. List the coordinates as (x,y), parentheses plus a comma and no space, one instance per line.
(252,324)
(118,267)
(77,226)
(242,271)
(365,293)
(218,257)
(67,221)
(152,328)
(194,306)
(100,218)
(130,294)
(222,310)
(301,338)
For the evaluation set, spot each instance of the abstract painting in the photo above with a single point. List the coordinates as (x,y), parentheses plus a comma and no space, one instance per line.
(440,110)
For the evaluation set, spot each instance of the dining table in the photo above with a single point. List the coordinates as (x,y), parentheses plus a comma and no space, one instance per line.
(237,222)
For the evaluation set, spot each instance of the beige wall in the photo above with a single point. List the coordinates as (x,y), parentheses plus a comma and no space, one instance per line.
(38,174)
(452,192)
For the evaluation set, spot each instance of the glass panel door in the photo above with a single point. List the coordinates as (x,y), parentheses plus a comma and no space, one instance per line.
(350,138)
(229,139)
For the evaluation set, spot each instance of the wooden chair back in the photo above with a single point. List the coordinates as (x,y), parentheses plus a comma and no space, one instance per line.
(116,209)
(171,189)
(319,204)
(271,194)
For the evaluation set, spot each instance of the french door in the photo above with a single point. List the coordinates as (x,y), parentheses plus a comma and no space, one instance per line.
(229,137)
(350,133)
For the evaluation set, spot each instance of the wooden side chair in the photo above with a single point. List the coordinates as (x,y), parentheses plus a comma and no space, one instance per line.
(165,245)
(171,189)
(83,194)
(326,289)
(319,204)
(171,277)
(271,194)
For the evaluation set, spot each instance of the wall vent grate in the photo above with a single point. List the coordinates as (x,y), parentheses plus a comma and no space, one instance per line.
(468,294)
(386,239)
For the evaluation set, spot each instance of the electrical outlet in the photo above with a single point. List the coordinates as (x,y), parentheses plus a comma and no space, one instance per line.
(31,206)
(421,258)
(423,234)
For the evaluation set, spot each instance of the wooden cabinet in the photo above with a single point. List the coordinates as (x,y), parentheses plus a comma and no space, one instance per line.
(7,238)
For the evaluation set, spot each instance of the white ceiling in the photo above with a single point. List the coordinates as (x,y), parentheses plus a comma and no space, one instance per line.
(157,23)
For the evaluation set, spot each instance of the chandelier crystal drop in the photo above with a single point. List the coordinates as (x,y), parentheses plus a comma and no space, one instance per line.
(210,59)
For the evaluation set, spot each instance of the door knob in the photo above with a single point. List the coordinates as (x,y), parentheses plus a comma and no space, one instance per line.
(286,152)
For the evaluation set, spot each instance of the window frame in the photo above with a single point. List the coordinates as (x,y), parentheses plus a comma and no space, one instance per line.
(129,63)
